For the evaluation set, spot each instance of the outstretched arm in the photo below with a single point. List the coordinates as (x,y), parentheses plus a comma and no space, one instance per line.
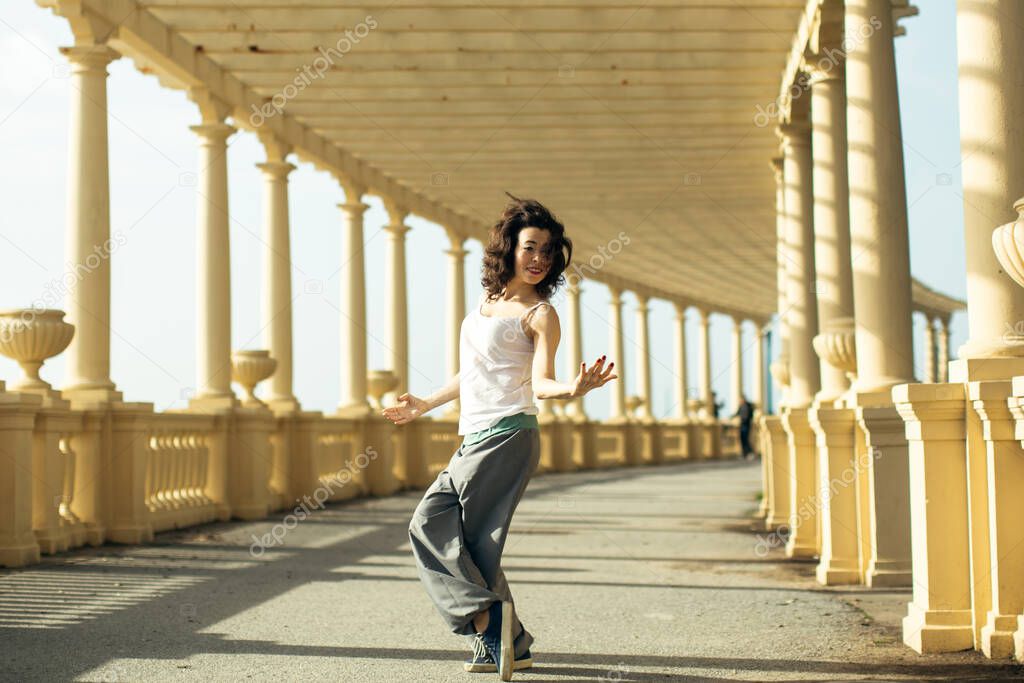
(546,334)
(410,407)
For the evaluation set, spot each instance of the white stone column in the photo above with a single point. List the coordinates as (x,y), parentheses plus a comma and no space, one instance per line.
(213,265)
(736,374)
(277,274)
(704,361)
(617,410)
(643,357)
(991,107)
(353,306)
(681,388)
(397,293)
(930,374)
(943,350)
(780,370)
(574,344)
(833,270)
(88,242)
(759,386)
(801,304)
(878,202)
(455,311)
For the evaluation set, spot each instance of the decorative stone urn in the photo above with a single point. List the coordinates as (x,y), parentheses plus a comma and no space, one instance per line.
(780,371)
(693,405)
(633,403)
(249,368)
(380,382)
(1008,244)
(837,345)
(30,336)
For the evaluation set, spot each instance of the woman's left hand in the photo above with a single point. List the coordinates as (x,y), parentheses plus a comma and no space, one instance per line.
(591,378)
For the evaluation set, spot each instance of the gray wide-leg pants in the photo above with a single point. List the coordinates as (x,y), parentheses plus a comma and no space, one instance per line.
(458,530)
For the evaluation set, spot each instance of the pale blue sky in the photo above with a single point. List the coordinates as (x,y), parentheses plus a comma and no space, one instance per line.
(153,345)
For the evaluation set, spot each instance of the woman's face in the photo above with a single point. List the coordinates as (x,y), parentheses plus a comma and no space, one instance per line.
(532,259)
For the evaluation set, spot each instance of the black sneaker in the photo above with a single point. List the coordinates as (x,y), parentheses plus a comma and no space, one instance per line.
(497,637)
(480,662)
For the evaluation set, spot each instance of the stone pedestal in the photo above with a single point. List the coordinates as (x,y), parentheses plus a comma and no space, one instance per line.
(939,617)
(834,430)
(803,495)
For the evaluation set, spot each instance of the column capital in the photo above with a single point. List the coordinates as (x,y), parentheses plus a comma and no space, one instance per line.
(616,295)
(397,230)
(702,314)
(354,191)
(212,108)
(355,209)
(275,148)
(90,57)
(276,169)
(680,308)
(795,133)
(642,303)
(213,132)
(397,213)
(777,165)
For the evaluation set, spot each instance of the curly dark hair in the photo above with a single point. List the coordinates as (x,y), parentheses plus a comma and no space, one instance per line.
(500,254)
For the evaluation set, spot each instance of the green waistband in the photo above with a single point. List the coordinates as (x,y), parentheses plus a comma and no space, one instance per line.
(507,423)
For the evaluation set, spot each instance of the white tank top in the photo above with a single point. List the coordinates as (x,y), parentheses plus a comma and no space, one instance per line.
(496,367)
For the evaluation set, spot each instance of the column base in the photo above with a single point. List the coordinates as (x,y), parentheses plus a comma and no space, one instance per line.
(997,636)
(802,551)
(130,534)
(95,534)
(833,575)
(251,511)
(285,405)
(933,631)
(888,575)
(213,404)
(19,555)
(1018,640)
(89,395)
(353,411)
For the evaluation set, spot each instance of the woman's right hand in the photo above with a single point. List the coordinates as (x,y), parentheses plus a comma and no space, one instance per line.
(409,407)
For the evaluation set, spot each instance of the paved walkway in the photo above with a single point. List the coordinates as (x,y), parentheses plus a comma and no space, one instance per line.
(623,575)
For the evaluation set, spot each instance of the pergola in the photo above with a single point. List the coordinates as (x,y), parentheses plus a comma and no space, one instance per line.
(742,158)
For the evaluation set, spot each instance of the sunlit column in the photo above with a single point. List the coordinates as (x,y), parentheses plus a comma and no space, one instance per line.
(736,371)
(213,268)
(397,294)
(801,305)
(455,311)
(780,370)
(681,390)
(277,273)
(353,305)
(833,271)
(574,344)
(618,397)
(758,385)
(643,357)
(943,342)
(878,202)
(88,243)
(991,107)
(704,362)
(930,374)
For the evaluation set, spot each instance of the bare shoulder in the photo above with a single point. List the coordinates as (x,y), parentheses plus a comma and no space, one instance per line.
(542,318)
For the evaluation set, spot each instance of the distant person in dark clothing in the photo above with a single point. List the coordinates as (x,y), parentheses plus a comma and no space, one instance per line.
(745,412)
(716,405)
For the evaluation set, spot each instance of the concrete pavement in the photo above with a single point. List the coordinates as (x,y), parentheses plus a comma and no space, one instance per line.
(622,575)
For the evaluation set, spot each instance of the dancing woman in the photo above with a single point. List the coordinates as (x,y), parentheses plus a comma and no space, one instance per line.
(506,358)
